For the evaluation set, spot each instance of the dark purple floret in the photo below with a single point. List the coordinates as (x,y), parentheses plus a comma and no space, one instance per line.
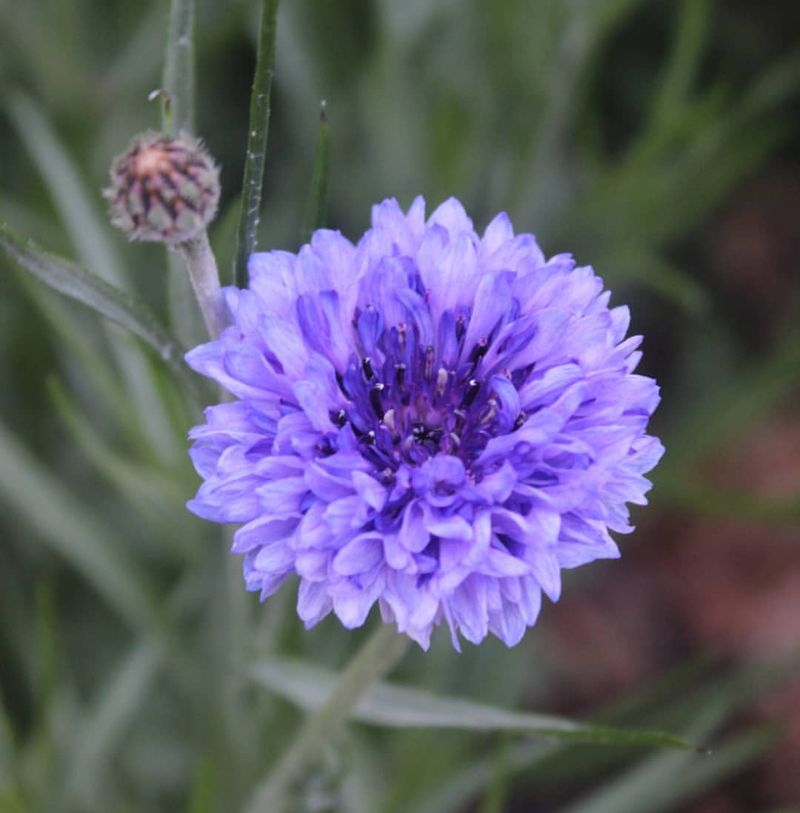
(431,420)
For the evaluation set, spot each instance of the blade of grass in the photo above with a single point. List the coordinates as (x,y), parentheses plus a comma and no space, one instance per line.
(398,706)
(137,61)
(694,18)
(733,406)
(7,750)
(667,780)
(78,348)
(258,130)
(70,530)
(48,648)
(316,208)
(202,798)
(687,494)
(646,268)
(457,791)
(81,285)
(156,496)
(377,656)
(69,194)
(543,767)
(119,701)
(90,237)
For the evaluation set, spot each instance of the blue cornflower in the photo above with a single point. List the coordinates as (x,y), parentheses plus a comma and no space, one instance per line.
(432,420)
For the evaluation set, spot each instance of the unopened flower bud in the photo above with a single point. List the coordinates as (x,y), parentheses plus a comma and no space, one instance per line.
(163,189)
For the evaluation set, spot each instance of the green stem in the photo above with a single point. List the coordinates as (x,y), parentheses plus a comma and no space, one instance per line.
(178,80)
(382,651)
(258,129)
(202,268)
(317,205)
(177,114)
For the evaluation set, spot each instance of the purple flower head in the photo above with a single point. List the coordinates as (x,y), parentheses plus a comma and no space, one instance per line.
(430,419)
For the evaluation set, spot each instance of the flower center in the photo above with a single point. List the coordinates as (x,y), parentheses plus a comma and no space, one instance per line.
(409,403)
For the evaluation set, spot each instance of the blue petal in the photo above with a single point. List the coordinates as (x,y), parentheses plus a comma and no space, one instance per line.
(313,601)
(492,304)
(263,531)
(359,555)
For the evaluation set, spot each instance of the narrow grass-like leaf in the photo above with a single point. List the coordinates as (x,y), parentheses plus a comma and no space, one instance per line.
(317,206)
(7,750)
(732,407)
(699,497)
(202,798)
(699,711)
(341,694)
(78,346)
(156,495)
(70,530)
(90,236)
(401,707)
(647,269)
(694,22)
(118,703)
(81,285)
(133,65)
(258,130)
(666,780)
(49,655)
(178,106)
(540,758)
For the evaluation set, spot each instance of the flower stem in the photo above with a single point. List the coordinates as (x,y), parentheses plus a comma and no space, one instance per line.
(202,268)
(382,650)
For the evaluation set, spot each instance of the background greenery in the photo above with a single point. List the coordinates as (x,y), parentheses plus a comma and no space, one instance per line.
(655,140)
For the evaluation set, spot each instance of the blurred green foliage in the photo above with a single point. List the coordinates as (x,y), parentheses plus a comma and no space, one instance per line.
(615,129)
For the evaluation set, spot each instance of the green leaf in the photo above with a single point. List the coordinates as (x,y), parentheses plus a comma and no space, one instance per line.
(178,106)
(395,706)
(665,781)
(81,285)
(202,798)
(117,705)
(7,749)
(694,22)
(88,232)
(316,208)
(132,65)
(157,496)
(90,236)
(258,130)
(700,710)
(698,496)
(733,406)
(69,529)
(78,344)
(637,264)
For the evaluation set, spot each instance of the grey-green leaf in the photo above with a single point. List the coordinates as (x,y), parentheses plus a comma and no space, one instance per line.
(666,780)
(81,285)
(70,530)
(394,706)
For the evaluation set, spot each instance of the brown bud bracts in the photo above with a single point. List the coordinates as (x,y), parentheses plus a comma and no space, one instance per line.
(164,189)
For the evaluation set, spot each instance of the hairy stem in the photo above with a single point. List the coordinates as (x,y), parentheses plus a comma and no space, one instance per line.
(382,651)
(202,268)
